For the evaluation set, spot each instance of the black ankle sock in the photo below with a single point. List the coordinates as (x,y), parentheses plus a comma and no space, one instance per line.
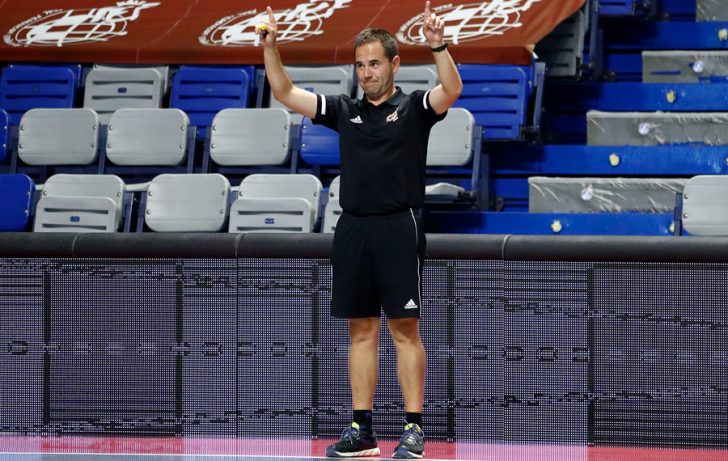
(364,419)
(415,418)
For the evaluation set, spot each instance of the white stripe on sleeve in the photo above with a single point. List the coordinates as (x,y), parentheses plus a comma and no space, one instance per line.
(424,99)
(323,104)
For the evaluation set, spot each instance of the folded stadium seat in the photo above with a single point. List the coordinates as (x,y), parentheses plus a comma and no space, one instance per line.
(81,203)
(321,80)
(4,135)
(186,203)
(450,154)
(276,203)
(656,128)
(163,71)
(250,137)
(16,198)
(145,141)
(44,137)
(498,96)
(412,77)
(24,87)
(563,48)
(202,92)
(696,66)
(711,11)
(110,89)
(703,209)
(333,210)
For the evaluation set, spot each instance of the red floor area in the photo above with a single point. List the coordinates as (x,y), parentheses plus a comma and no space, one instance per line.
(303,448)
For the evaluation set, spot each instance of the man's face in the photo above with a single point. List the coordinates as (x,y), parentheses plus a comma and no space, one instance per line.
(375,70)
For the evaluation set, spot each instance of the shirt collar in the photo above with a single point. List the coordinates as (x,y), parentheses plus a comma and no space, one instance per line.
(393,101)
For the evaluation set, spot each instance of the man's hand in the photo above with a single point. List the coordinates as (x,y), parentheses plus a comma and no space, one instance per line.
(433,27)
(267,31)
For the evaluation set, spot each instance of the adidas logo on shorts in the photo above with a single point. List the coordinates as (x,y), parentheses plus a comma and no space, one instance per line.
(411,304)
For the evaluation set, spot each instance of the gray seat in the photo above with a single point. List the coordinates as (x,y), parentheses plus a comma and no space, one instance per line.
(683,66)
(711,10)
(147,137)
(276,203)
(333,210)
(163,71)
(705,206)
(187,203)
(330,80)
(452,142)
(563,48)
(111,89)
(80,203)
(58,137)
(251,137)
(411,78)
(656,128)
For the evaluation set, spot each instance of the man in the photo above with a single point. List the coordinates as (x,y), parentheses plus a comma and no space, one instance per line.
(379,244)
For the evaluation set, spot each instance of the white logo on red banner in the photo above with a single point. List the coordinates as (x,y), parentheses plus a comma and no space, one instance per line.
(469,22)
(78,26)
(294,24)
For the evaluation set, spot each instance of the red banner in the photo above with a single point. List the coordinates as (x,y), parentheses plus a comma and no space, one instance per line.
(221,31)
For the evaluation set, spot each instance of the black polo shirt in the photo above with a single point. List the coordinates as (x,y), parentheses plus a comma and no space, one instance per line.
(383,150)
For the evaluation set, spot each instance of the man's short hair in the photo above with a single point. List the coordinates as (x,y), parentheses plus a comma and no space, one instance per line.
(378,35)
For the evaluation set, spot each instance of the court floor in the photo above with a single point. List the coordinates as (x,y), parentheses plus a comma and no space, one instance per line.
(13,448)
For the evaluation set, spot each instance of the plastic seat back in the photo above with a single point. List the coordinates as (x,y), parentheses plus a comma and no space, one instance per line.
(80,203)
(59,137)
(251,137)
(111,89)
(16,198)
(276,203)
(147,137)
(451,140)
(705,205)
(202,92)
(187,203)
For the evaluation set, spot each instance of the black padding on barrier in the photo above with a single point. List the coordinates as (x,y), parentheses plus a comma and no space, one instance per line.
(149,245)
(449,246)
(286,246)
(41,245)
(617,249)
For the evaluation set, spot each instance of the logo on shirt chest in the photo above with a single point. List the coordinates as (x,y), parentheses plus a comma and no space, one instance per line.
(393,116)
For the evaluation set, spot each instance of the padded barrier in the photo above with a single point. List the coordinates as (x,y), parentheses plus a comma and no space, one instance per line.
(439,246)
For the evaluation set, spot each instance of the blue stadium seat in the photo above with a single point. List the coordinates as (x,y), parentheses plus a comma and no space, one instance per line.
(25,87)
(4,135)
(617,7)
(202,92)
(498,97)
(319,144)
(16,197)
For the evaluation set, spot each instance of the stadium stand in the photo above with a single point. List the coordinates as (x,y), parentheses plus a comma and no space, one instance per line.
(81,203)
(276,203)
(16,199)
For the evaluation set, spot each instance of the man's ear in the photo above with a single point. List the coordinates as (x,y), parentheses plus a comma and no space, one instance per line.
(395,64)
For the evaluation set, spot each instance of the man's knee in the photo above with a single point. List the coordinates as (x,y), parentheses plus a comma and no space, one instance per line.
(364,330)
(404,331)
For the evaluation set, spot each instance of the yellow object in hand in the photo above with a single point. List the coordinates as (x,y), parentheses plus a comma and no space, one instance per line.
(262,26)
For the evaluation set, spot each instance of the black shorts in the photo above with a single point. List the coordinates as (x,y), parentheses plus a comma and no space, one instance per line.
(377,264)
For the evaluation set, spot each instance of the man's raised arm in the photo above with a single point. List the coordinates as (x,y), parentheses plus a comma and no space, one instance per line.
(448,91)
(296,99)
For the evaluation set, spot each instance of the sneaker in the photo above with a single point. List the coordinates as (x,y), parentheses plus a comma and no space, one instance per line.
(411,444)
(354,443)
